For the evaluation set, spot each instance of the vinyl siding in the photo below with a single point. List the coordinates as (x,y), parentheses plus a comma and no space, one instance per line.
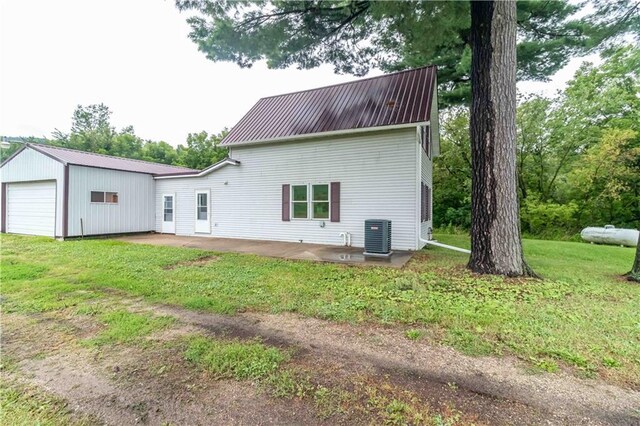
(377,172)
(29,166)
(134,211)
(426,175)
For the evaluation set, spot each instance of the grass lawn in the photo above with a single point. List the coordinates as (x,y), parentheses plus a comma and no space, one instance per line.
(582,315)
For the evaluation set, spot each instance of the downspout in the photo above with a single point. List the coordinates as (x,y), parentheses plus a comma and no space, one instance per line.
(419,205)
(446,246)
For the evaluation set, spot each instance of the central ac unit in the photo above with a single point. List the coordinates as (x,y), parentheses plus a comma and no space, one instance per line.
(377,237)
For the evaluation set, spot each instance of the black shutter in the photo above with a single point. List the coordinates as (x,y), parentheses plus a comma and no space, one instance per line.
(286,209)
(335,201)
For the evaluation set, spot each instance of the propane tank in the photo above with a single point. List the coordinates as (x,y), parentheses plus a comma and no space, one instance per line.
(611,235)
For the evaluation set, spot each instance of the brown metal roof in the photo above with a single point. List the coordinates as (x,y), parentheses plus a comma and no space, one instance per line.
(89,159)
(388,100)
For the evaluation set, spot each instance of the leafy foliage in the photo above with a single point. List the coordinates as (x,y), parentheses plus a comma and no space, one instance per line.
(203,150)
(578,154)
(357,35)
(91,131)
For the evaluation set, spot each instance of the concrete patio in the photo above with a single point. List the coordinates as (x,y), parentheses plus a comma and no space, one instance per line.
(284,250)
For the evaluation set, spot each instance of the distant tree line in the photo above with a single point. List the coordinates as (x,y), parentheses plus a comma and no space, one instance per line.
(578,154)
(91,131)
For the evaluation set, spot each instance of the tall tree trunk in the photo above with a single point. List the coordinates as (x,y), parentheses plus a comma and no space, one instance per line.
(634,275)
(496,247)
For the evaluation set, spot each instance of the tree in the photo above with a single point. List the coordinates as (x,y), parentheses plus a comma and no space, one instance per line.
(203,150)
(634,274)
(91,129)
(496,246)
(357,34)
(452,171)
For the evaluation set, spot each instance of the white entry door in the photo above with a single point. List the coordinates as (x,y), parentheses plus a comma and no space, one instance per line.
(169,213)
(31,208)
(203,224)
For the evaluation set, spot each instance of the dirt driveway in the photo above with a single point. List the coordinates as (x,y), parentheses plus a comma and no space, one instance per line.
(152,384)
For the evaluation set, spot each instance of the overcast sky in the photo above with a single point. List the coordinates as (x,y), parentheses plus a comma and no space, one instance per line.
(134,56)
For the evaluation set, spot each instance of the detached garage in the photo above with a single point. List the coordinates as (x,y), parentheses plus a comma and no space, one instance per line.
(60,192)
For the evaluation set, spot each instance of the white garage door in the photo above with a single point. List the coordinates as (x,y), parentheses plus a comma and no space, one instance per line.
(31,208)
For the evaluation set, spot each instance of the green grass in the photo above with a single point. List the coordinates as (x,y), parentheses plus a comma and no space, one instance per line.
(413,334)
(234,359)
(124,327)
(581,314)
(26,406)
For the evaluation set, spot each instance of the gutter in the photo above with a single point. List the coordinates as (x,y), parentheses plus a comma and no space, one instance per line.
(201,173)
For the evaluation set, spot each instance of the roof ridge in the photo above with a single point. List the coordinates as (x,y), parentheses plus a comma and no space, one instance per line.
(348,82)
(37,145)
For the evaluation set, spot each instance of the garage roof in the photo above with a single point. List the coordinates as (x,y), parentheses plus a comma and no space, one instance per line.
(388,100)
(89,159)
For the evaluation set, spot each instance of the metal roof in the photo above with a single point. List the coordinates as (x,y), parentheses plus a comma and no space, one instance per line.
(89,159)
(388,100)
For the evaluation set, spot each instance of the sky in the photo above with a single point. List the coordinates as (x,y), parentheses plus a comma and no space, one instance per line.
(135,57)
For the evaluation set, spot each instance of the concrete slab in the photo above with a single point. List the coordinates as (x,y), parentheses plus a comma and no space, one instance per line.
(280,249)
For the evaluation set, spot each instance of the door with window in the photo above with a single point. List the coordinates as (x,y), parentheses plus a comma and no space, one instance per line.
(168,214)
(203,223)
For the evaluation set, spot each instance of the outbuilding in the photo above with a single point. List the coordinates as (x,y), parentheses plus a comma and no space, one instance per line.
(59,192)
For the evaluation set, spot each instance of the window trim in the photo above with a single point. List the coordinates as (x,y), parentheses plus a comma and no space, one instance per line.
(104,197)
(207,192)
(309,201)
(173,208)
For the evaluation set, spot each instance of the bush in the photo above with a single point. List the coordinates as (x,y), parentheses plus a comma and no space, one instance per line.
(548,220)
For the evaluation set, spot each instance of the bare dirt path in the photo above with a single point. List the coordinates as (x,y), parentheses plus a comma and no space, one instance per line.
(153,385)
(127,386)
(502,388)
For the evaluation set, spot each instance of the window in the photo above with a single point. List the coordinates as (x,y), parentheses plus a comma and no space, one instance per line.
(300,203)
(320,204)
(97,197)
(318,201)
(426,140)
(112,197)
(168,209)
(202,206)
(104,197)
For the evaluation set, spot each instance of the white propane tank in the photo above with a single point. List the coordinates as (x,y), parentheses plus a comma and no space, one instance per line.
(611,235)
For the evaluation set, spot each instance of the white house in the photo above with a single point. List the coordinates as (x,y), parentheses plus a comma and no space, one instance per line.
(306,167)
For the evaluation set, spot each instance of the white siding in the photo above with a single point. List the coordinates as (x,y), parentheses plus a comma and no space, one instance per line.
(134,211)
(377,172)
(426,175)
(29,166)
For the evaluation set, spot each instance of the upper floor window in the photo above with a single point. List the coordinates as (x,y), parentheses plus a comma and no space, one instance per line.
(425,140)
